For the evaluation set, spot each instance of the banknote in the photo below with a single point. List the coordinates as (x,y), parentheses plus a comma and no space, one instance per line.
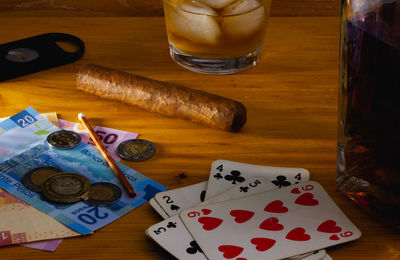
(50,245)
(22,223)
(51,116)
(23,146)
(110,137)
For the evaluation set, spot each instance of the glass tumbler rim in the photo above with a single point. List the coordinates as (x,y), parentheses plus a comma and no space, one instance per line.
(218,14)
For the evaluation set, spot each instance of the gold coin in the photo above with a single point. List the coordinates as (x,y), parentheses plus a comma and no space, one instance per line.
(66,187)
(103,194)
(135,148)
(35,177)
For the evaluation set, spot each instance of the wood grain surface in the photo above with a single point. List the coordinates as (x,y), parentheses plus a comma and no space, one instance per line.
(147,8)
(291,99)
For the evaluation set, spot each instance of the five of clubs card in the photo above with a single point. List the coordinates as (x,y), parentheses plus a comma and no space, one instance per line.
(250,212)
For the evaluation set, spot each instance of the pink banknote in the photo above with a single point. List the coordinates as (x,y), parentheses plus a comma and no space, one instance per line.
(111,138)
(49,245)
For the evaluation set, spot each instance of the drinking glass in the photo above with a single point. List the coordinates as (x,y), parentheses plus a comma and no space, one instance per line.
(369,107)
(216,36)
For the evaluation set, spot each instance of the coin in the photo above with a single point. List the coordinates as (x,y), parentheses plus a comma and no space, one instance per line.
(35,177)
(103,194)
(66,187)
(136,150)
(64,139)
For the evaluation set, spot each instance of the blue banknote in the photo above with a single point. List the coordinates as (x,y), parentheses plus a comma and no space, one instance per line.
(23,146)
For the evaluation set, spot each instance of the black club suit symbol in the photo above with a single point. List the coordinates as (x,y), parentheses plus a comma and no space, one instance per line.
(171,225)
(244,189)
(234,177)
(281,181)
(194,248)
(218,176)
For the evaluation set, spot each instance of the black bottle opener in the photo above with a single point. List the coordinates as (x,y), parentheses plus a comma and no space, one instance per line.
(37,53)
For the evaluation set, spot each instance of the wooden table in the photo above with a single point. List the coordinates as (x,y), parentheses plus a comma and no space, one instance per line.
(291,98)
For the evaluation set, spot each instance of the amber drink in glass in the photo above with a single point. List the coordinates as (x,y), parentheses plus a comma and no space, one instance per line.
(216,36)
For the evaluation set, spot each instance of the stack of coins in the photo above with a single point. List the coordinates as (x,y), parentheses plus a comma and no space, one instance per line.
(68,187)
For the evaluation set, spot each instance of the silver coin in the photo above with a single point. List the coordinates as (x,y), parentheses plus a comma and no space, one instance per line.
(64,139)
(136,150)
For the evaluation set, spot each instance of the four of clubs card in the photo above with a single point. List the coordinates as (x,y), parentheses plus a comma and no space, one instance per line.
(248,212)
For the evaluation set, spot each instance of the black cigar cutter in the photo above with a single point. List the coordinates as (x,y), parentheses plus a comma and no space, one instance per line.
(37,53)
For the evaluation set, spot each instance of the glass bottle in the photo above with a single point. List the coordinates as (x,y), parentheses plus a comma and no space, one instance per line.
(369,107)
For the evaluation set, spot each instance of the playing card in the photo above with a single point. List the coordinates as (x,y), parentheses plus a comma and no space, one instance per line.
(316,255)
(176,200)
(172,236)
(153,203)
(182,236)
(270,225)
(224,174)
(327,257)
(252,185)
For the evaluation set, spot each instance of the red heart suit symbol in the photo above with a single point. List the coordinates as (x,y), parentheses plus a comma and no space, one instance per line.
(306,199)
(263,244)
(295,191)
(329,226)
(298,234)
(334,237)
(276,206)
(241,216)
(271,224)
(230,251)
(210,223)
(206,211)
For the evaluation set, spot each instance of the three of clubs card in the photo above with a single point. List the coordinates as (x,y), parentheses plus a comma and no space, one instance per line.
(249,211)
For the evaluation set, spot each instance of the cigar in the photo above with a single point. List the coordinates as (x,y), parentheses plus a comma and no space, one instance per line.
(162,97)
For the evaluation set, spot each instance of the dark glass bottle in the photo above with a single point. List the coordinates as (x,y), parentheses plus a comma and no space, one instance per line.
(369,107)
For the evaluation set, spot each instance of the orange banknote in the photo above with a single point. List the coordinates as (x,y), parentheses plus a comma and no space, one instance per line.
(22,223)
